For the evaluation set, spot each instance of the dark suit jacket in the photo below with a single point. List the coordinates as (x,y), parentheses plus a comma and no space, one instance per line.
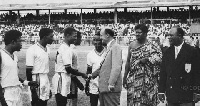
(175,82)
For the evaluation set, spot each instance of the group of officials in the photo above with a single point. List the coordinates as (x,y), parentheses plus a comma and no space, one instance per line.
(150,74)
(153,76)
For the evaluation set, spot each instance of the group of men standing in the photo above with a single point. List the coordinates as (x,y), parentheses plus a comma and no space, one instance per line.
(104,62)
(149,74)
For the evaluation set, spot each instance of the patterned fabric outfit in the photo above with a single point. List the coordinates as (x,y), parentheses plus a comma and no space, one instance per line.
(143,78)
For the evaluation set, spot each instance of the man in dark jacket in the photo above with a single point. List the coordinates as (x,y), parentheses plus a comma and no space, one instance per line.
(180,72)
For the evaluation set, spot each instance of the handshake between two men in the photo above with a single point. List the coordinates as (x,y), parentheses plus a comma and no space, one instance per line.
(33,84)
(110,87)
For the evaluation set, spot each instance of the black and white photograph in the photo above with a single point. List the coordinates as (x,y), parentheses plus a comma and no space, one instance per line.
(99,52)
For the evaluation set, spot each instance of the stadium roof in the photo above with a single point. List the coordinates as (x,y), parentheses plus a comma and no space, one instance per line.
(100,4)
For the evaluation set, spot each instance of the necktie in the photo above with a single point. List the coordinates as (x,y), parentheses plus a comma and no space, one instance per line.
(176,52)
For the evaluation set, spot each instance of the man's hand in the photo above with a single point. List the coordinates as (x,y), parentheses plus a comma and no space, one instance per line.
(85,76)
(161,97)
(111,88)
(89,76)
(196,97)
(33,84)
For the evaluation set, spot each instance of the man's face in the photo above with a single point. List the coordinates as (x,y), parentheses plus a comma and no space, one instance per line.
(174,39)
(104,37)
(50,38)
(97,41)
(73,38)
(18,44)
(140,35)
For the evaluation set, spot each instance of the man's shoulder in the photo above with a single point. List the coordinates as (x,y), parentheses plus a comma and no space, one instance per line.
(189,47)
(169,49)
(65,49)
(116,45)
(32,47)
(91,53)
(133,44)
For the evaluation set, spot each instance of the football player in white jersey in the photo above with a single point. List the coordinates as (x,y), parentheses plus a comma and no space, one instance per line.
(94,59)
(64,67)
(10,82)
(72,98)
(37,62)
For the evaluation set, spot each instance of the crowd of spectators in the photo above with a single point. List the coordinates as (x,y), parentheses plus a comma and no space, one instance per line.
(30,24)
(124,32)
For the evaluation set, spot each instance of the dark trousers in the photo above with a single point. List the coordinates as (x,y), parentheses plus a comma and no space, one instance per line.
(39,102)
(94,99)
(35,100)
(60,100)
(181,104)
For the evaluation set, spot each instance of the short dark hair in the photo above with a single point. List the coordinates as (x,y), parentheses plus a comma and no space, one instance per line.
(12,35)
(180,32)
(45,32)
(69,31)
(110,32)
(142,27)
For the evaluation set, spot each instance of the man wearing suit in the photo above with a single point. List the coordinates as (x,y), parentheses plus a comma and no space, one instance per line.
(180,72)
(109,72)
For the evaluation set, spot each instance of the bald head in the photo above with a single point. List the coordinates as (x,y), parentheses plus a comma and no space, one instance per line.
(177,31)
(107,34)
(108,31)
(176,36)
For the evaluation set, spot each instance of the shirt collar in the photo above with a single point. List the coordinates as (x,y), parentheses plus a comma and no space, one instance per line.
(180,46)
(66,44)
(109,43)
(72,46)
(44,48)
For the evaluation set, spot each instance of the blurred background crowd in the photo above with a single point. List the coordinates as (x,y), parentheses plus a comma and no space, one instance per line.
(30,24)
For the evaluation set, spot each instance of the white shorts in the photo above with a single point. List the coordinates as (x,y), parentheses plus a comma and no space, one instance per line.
(43,90)
(61,83)
(12,96)
(94,87)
